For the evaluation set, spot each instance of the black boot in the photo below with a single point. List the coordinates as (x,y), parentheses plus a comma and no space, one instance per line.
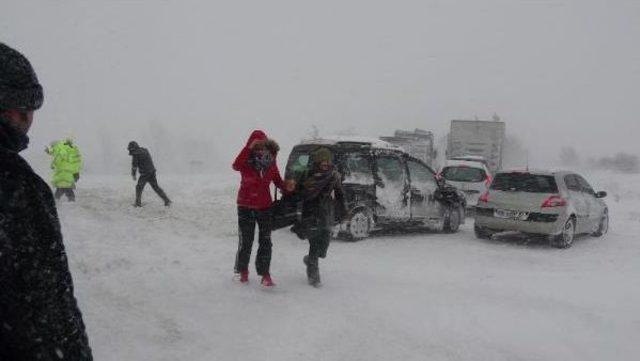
(313,271)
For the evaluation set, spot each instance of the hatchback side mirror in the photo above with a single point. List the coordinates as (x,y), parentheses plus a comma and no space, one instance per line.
(601,194)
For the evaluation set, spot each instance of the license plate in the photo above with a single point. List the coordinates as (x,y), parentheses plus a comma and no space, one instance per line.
(508,214)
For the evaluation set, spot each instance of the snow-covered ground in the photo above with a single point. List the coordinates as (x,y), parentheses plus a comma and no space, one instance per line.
(156,284)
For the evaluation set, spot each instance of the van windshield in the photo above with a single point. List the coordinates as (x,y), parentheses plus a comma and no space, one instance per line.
(463,174)
(524,182)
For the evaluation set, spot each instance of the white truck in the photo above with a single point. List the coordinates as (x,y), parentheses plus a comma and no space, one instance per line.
(418,143)
(484,138)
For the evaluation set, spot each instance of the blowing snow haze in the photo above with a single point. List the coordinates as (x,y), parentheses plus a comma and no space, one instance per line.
(191,79)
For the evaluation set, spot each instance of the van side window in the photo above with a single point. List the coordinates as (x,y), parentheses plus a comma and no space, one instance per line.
(390,168)
(419,173)
(357,168)
(584,185)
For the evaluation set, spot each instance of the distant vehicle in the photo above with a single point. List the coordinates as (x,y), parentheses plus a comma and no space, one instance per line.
(558,205)
(469,176)
(473,158)
(418,143)
(484,138)
(385,187)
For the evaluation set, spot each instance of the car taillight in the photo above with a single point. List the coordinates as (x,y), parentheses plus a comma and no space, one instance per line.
(484,198)
(488,181)
(554,201)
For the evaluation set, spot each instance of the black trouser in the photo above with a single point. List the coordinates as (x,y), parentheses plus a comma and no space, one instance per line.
(71,196)
(318,245)
(319,240)
(151,179)
(247,219)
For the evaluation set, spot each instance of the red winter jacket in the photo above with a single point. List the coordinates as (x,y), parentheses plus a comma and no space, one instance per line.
(254,190)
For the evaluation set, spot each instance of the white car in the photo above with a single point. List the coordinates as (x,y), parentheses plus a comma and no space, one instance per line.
(472,158)
(558,205)
(471,177)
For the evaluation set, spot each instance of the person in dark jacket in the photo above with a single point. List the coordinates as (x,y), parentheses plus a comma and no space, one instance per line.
(39,315)
(141,162)
(323,205)
(258,169)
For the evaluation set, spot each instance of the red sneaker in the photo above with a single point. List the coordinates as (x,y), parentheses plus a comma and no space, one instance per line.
(244,276)
(267,281)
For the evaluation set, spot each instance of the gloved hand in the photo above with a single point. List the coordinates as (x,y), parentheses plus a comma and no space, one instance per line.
(290,185)
(133,176)
(76,176)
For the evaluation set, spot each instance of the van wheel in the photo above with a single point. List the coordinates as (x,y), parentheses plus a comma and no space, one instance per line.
(452,221)
(565,239)
(359,225)
(603,227)
(481,232)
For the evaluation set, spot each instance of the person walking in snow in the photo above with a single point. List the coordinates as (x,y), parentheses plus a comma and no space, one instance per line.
(258,169)
(141,162)
(323,206)
(39,315)
(66,165)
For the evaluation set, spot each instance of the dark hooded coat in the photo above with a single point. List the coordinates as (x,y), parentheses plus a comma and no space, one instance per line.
(39,315)
(141,160)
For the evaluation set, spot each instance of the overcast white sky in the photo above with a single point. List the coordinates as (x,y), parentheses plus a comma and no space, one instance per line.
(210,71)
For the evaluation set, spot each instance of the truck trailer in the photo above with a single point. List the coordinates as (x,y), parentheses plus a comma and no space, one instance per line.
(483,138)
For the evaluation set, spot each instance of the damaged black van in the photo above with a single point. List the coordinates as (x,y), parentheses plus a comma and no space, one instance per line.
(385,188)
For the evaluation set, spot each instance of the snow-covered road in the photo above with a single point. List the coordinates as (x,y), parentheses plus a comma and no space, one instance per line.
(156,284)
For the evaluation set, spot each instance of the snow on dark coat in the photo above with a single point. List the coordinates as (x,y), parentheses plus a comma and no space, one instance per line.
(39,315)
(255,190)
(323,200)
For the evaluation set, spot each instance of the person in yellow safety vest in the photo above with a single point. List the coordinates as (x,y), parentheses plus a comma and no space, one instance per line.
(66,165)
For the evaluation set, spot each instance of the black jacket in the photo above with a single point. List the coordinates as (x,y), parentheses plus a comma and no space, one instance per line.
(141,161)
(325,206)
(39,315)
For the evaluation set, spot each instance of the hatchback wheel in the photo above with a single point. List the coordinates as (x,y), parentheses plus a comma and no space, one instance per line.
(603,226)
(565,239)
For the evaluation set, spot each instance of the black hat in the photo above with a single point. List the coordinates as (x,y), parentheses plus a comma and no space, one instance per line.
(19,86)
(132,145)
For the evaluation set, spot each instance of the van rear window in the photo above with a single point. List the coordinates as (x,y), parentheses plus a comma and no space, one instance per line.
(524,182)
(297,165)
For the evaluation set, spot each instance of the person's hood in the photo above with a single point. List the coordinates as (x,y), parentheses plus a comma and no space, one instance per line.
(11,138)
(256,135)
(272,146)
(320,155)
(133,147)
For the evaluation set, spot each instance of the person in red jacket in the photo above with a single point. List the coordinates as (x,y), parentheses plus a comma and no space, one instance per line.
(257,166)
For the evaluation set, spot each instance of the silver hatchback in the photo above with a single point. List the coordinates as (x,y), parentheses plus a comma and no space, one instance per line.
(558,205)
